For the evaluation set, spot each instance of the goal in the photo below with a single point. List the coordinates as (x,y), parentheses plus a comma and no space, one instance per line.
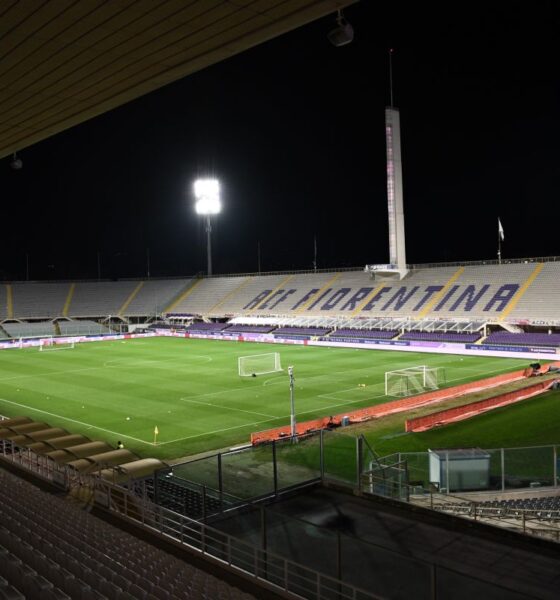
(414,380)
(259,364)
(50,344)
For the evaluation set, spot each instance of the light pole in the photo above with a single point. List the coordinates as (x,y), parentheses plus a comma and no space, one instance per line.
(207,194)
(292,404)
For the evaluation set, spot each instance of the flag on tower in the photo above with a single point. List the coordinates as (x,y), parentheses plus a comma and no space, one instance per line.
(500,230)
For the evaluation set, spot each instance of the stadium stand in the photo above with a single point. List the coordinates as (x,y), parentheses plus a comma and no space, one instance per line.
(206,327)
(436,336)
(249,329)
(523,339)
(467,292)
(181,498)
(155,296)
(3,302)
(206,294)
(542,300)
(42,328)
(51,549)
(429,298)
(39,300)
(100,298)
(84,327)
(306,331)
(367,334)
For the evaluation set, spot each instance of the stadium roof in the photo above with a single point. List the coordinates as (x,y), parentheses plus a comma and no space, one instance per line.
(66,61)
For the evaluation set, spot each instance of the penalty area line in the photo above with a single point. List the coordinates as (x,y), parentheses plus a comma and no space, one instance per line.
(197,435)
(89,425)
(249,412)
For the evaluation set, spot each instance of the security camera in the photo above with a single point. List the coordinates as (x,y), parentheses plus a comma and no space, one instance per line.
(16,162)
(343,33)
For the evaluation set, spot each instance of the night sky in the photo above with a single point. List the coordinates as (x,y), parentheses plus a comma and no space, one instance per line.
(294,129)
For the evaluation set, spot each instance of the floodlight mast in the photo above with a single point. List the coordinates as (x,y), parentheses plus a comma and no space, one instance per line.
(292,404)
(207,194)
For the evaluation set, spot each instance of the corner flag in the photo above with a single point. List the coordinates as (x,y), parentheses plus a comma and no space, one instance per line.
(500,230)
(156,433)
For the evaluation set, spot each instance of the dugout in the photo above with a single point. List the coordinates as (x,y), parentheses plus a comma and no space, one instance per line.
(91,464)
(61,457)
(459,470)
(138,469)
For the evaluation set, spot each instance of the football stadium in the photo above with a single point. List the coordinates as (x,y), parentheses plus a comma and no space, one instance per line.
(383,431)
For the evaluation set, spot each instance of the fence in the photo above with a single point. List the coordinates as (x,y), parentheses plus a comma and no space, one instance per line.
(510,468)
(257,540)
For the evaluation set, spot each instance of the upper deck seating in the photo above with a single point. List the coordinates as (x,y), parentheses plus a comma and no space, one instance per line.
(100,298)
(206,294)
(483,292)
(154,296)
(39,300)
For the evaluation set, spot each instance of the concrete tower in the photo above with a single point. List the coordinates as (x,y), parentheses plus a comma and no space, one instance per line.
(397,244)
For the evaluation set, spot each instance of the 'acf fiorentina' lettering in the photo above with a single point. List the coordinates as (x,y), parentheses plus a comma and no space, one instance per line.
(306,298)
(283,295)
(321,296)
(336,298)
(450,292)
(463,298)
(255,301)
(470,297)
(430,291)
(400,298)
(350,304)
(502,296)
(376,298)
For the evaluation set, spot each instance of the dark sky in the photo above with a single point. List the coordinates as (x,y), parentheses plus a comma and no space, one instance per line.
(294,129)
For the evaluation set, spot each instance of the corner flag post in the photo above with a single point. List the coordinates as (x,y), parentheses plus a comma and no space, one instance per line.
(292,403)
(156,433)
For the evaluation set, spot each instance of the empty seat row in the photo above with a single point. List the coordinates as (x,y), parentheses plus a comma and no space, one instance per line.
(53,549)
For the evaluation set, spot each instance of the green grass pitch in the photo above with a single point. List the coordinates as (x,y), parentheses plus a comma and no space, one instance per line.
(191,391)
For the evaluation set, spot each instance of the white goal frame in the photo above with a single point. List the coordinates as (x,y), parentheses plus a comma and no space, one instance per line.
(50,345)
(259,364)
(413,380)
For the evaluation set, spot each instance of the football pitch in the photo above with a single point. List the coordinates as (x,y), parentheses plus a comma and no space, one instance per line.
(191,391)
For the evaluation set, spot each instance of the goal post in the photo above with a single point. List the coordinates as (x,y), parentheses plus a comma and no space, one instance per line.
(259,364)
(413,380)
(50,344)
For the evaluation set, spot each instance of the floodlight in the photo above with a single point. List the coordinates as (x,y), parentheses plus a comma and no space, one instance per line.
(207,194)
(343,33)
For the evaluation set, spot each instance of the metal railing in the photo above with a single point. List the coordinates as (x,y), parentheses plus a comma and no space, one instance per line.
(238,555)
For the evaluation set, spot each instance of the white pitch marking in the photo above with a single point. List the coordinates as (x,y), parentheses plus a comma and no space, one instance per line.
(75,421)
(190,437)
(250,412)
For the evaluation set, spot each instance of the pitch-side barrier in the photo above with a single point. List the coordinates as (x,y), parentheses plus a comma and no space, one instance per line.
(395,406)
(466,411)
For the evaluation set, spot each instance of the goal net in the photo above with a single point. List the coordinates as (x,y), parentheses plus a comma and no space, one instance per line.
(414,380)
(259,364)
(50,344)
